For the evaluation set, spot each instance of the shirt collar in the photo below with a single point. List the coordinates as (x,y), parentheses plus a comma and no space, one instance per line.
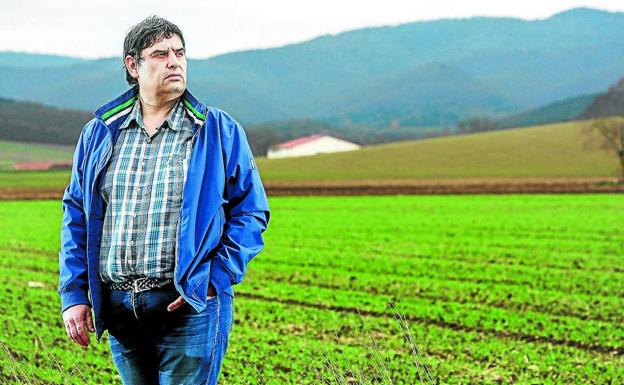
(173,118)
(115,112)
(135,115)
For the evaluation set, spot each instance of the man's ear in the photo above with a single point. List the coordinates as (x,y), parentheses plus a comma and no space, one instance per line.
(132,66)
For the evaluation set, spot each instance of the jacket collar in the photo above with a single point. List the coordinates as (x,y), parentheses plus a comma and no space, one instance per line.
(175,115)
(115,112)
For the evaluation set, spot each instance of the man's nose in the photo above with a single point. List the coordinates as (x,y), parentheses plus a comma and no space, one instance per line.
(172,59)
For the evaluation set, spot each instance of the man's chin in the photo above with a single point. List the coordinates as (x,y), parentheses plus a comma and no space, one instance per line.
(177,88)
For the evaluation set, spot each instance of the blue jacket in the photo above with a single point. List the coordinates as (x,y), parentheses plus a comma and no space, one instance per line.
(223,215)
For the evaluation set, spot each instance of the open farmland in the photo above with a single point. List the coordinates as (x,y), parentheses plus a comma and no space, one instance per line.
(26,152)
(548,151)
(11,152)
(555,151)
(543,159)
(520,289)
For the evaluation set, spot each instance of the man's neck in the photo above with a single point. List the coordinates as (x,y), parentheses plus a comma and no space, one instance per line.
(154,108)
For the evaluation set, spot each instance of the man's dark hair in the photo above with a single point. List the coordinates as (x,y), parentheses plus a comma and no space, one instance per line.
(145,34)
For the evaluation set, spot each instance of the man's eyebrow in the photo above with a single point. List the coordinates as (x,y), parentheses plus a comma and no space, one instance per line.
(165,50)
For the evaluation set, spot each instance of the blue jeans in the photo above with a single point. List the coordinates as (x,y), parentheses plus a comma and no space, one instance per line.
(151,346)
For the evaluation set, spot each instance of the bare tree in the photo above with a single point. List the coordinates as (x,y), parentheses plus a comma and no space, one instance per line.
(610,137)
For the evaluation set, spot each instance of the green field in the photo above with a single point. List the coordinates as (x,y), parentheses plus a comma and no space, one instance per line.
(555,150)
(35,179)
(550,151)
(11,152)
(523,289)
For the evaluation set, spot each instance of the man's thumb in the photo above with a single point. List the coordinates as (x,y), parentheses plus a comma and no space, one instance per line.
(90,321)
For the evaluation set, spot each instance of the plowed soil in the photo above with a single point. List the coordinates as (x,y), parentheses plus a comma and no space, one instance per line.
(394,187)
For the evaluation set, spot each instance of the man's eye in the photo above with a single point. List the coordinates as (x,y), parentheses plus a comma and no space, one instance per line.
(160,55)
(180,54)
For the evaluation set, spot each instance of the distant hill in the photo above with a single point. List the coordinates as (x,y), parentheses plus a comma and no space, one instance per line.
(561,111)
(421,96)
(610,103)
(431,73)
(34,122)
(555,150)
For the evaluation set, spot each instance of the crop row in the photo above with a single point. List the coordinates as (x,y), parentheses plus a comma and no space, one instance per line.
(515,297)
(454,356)
(542,256)
(573,282)
(526,325)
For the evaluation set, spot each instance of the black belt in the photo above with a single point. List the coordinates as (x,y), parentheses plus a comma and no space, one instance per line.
(141,284)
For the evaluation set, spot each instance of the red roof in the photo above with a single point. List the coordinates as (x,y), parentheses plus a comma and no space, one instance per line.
(298,141)
(43,165)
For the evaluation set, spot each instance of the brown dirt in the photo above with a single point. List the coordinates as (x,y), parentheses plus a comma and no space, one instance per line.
(30,193)
(447,186)
(394,187)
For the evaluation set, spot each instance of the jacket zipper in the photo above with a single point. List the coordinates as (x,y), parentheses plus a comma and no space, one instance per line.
(176,249)
(98,170)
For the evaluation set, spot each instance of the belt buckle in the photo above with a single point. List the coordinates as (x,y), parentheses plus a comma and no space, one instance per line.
(136,288)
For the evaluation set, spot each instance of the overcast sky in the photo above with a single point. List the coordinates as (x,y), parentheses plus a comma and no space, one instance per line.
(96,28)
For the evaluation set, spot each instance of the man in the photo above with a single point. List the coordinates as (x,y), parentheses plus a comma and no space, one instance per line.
(164,210)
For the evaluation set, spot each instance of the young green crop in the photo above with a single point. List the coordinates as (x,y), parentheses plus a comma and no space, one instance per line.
(496,289)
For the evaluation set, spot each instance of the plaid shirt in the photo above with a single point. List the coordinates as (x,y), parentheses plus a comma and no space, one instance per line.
(142,190)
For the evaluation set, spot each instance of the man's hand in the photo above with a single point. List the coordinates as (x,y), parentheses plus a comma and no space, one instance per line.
(180,301)
(78,322)
(176,304)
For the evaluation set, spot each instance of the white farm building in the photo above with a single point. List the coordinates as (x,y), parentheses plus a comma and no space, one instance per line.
(310,145)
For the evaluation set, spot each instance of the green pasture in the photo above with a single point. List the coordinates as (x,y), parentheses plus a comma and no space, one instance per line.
(35,179)
(26,152)
(11,152)
(523,289)
(555,150)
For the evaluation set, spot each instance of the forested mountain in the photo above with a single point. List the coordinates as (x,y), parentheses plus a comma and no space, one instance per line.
(431,73)
(34,122)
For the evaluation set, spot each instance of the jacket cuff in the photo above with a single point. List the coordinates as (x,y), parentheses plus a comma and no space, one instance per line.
(219,276)
(73,296)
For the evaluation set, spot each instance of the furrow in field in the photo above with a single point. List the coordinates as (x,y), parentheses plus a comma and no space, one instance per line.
(527,326)
(490,254)
(582,307)
(573,282)
(453,356)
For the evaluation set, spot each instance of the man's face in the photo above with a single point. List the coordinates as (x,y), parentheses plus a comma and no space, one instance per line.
(162,72)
